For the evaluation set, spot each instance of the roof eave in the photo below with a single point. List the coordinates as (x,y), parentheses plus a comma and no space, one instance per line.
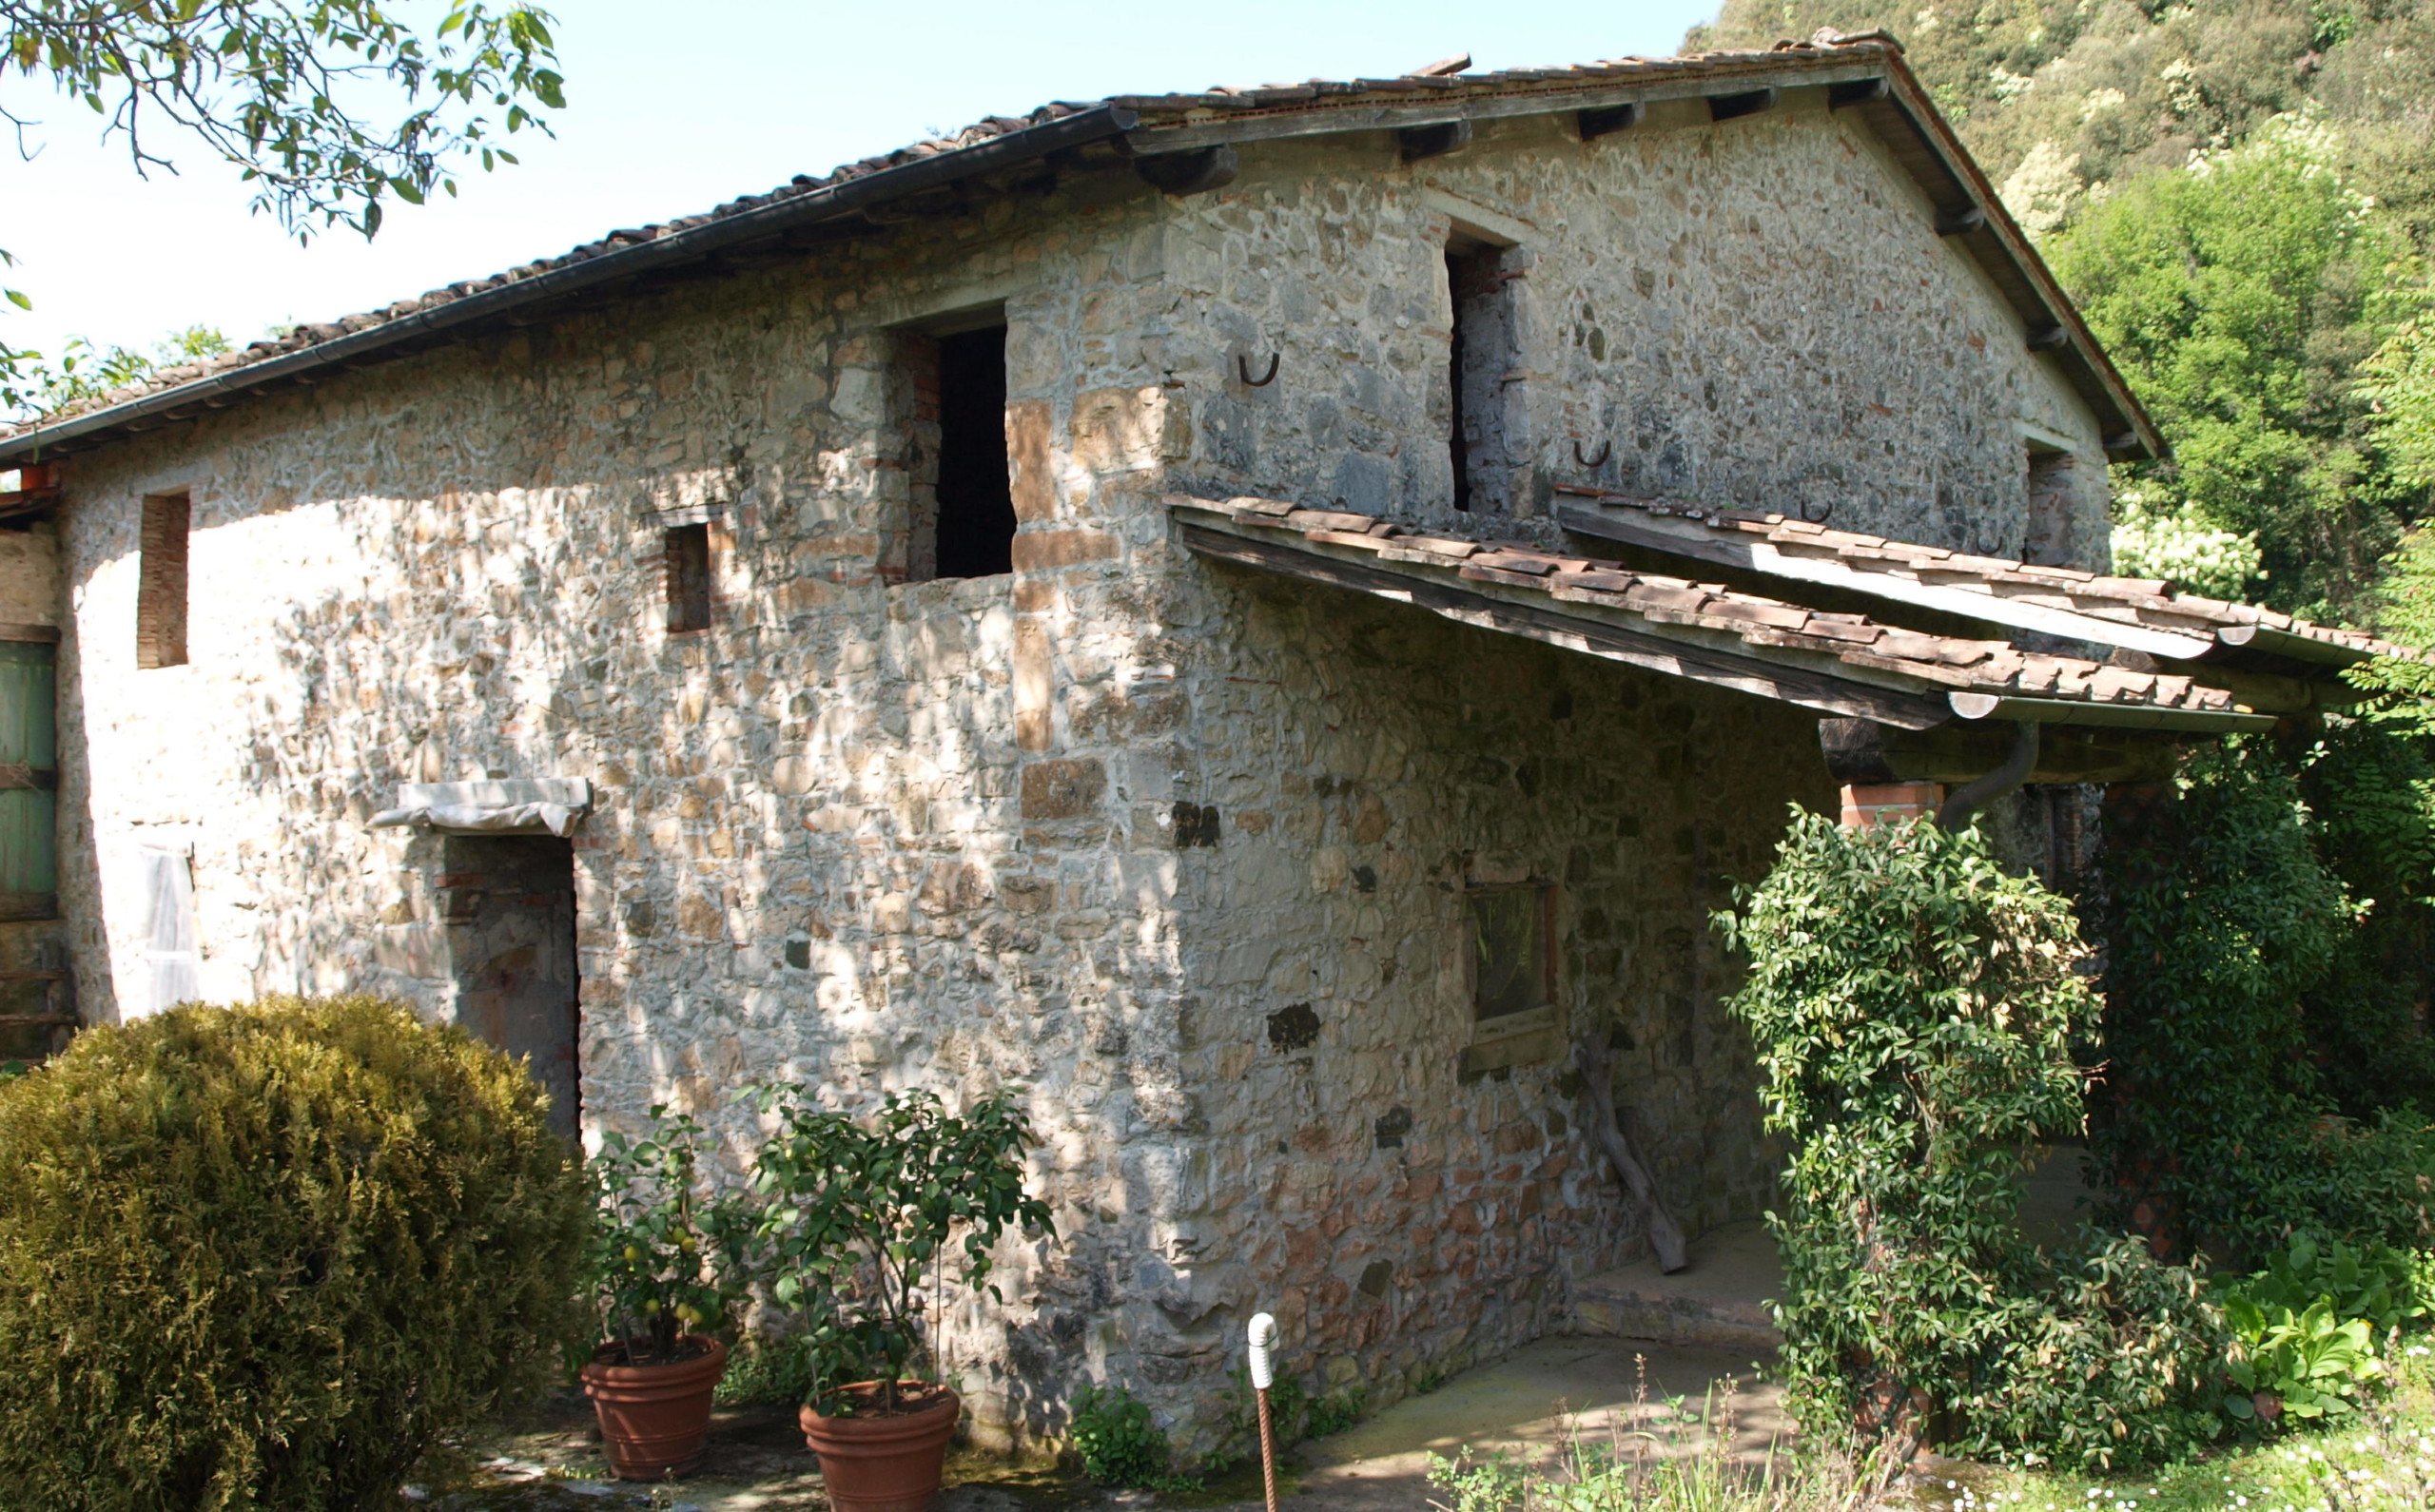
(375,343)
(2130,434)
(2140,439)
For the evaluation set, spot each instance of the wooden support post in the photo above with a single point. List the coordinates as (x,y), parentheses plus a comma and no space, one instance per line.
(1665,1234)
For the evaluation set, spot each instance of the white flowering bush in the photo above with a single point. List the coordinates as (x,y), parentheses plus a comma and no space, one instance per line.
(2190,553)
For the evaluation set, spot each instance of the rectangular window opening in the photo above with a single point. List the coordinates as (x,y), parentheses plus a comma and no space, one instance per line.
(1479,356)
(1513,964)
(161,582)
(687,571)
(962,498)
(2050,541)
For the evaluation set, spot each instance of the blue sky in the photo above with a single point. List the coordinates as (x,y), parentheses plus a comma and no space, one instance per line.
(674,107)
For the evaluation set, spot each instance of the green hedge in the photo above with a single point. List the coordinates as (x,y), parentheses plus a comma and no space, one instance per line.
(1914,1008)
(259,1257)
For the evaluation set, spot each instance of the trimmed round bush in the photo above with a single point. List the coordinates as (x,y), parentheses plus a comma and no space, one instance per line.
(259,1257)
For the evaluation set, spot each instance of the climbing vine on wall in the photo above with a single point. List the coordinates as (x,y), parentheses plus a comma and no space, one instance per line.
(1915,1011)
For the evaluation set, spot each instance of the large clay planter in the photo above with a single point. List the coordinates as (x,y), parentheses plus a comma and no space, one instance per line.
(654,1418)
(874,1464)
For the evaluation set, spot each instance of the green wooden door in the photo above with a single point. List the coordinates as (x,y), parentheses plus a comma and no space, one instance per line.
(28,780)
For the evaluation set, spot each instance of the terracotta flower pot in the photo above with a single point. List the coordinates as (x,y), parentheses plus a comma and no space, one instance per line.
(874,1464)
(654,1418)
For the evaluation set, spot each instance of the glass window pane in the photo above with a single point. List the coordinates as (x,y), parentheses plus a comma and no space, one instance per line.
(1509,968)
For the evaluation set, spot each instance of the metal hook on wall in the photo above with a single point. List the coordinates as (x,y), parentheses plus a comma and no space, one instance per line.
(1824,513)
(1606,450)
(1243,370)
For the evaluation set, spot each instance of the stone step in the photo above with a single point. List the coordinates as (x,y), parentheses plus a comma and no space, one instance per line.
(1719,1301)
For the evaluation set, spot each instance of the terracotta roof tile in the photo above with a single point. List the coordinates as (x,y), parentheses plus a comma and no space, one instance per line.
(1955,663)
(1311,95)
(2152,603)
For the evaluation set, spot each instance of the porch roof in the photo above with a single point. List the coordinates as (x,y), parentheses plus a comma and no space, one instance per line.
(1833,662)
(2146,615)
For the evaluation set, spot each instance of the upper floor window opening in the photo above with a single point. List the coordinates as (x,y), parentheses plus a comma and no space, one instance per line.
(960,496)
(160,581)
(2050,539)
(686,556)
(1480,358)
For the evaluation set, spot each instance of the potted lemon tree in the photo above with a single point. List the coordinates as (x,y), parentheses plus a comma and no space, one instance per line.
(668,1264)
(857,1217)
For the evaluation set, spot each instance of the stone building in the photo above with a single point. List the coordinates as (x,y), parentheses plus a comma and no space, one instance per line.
(1258,618)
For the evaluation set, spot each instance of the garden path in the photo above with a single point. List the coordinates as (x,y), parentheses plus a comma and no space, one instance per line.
(1526,1405)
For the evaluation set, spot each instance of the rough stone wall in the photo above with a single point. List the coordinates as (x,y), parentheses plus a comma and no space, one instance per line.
(820,850)
(1402,1214)
(1755,314)
(1091,827)
(30,574)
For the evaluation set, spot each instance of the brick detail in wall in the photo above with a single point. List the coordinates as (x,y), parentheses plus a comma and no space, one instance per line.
(161,582)
(1867,805)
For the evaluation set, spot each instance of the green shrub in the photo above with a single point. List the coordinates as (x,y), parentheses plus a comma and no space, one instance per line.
(1914,1010)
(2218,921)
(2373,1282)
(1337,1411)
(1121,1443)
(767,1371)
(1289,1412)
(256,1259)
(2305,1364)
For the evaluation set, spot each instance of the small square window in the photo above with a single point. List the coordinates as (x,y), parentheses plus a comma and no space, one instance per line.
(1513,968)
(689,578)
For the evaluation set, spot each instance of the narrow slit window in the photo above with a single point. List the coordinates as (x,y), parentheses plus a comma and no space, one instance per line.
(960,500)
(687,554)
(1479,355)
(2050,541)
(1512,950)
(161,582)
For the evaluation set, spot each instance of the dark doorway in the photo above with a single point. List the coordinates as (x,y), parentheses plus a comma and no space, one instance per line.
(976,499)
(509,905)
